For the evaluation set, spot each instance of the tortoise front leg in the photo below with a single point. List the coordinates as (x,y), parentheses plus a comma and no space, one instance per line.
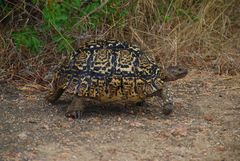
(167,98)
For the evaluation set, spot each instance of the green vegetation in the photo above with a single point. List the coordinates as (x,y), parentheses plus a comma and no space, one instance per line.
(28,38)
(62,18)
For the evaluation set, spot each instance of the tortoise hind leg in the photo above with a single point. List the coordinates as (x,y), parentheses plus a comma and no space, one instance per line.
(53,97)
(141,103)
(76,108)
(59,86)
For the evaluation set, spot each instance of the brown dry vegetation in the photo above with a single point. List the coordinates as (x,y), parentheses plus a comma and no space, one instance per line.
(198,34)
(210,42)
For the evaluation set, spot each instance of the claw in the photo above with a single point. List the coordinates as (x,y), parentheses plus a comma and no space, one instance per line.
(74,114)
(167,109)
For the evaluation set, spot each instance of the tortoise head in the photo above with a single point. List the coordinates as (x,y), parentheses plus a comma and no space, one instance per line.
(173,73)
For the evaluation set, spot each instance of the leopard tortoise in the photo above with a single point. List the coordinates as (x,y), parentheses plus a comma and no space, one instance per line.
(112,71)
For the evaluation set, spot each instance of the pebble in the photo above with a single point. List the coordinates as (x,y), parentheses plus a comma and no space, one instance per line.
(22,135)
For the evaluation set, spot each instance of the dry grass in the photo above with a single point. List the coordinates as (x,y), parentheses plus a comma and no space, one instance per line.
(199,34)
(208,43)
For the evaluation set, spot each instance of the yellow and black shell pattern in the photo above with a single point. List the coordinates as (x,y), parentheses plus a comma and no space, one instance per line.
(110,71)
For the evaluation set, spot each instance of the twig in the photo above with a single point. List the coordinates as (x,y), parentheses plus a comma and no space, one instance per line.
(15,7)
(96,9)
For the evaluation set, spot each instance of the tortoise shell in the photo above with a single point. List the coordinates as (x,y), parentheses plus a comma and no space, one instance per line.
(108,71)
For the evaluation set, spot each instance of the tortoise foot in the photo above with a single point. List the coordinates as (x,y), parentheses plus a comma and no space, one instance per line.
(140,103)
(74,114)
(167,109)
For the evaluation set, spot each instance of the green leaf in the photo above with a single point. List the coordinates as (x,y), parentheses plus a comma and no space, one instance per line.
(167,18)
(28,38)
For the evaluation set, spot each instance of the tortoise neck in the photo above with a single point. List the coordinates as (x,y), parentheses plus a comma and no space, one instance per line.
(166,76)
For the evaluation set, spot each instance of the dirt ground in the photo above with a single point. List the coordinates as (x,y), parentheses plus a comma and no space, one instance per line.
(204,126)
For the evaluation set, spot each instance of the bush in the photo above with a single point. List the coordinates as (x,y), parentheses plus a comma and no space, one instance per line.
(28,38)
(60,19)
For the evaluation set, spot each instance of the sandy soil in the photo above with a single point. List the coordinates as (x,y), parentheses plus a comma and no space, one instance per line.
(204,126)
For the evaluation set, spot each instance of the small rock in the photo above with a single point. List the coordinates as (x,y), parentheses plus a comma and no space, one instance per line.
(1,97)
(119,119)
(74,157)
(45,127)
(136,124)
(71,119)
(208,117)
(63,125)
(22,136)
(179,131)
(221,148)
(32,121)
